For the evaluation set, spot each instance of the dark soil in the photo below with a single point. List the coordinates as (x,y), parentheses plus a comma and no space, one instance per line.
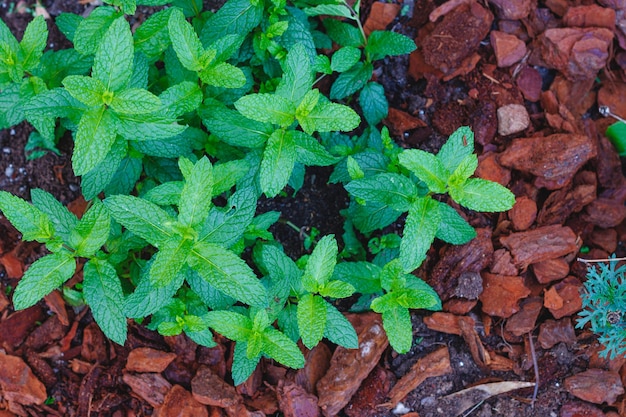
(432,94)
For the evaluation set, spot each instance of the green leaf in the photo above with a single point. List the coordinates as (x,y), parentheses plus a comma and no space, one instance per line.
(351,81)
(397,325)
(328,117)
(465,170)
(223,75)
(482,195)
(310,151)
(282,349)
(7,37)
(453,228)
(96,180)
(103,292)
(311,319)
(242,366)
(339,10)
(265,107)
(94,138)
(320,265)
(85,89)
(169,260)
(322,64)
(212,297)
(226,226)
(33,43)
(308,103)
(186,42)
(339,330)
(336,289)
(363,276)
(152,37)
(42,277)
(195,198)
(145,219)
(113,63)
(393,190)
(181,98)
(30,221)
(426,167)
(228,273)
(147,127)
(372,216)
(235,129)
(420,229)
(227,174)
(297,78)
(457,148)
(202,337)
(373,103)
(345,58)
(235,17)
(90,31)
(135,101)
(278,161)
(384,43)
(148,298)
(62,219)
(229,324)
(92,231)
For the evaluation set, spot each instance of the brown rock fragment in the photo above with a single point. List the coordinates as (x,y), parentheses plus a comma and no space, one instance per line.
(512,118)
(552,332)
(148,360)
(553,159)
(596,386)
(550,270)
(18,383)
(151,387)
(566,299)
(581,409)
(529,82)
(294,401)
(590,16)
(180,403)
(512,9)
(349,367)
(523,213)
(502,294)
(562,203)
(605,212)
(509,49)
(490,169)
(540,244)
(605,239)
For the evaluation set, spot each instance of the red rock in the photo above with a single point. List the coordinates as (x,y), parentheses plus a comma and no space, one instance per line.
(18,383)
(501,294)
(148,360)
(349,367)
(579,53)
(590,16)
(524,320)
(179,402)
(554,159)
(508,49)
(512,9)
(484,122)
(490,169)
(568,291)
(523,213)
(529,82)
(151,387)
(540,244)
(596,386)
(552,332)
(550,270)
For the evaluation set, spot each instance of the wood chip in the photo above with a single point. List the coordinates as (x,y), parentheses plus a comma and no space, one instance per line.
(540,244)
(18,383)
(381,15)
(502,294)
(150,387)
(179,402)
(552,332)
(524,320)
(568,291)
(294,401)
(316,365)
(596,386)
(148,360)
(550,270)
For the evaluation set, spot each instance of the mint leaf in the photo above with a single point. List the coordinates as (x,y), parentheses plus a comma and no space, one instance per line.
(96,180)
(229,324)
(135,101)
(169,260)
(94,138)
(336,289)
(373,103)
(351,81)
(227,174)
(92,230)
(311,319)
(42,277)
(383,43)
(228,273)
(90,31)
(212,297)
(363,276)
(181,98)
(345,58)
(420,229)
(62,219)
(339,330)
(242,366)
(270,108)
(372,216)
(339,10)
(343,33)
(195,198)
(103,292)
(481,195)
(147,127)
(33,43)
(30,221)
(320,265)
(457,148)
(310,151)
(282,349)
(397,325)
(226,226)
(223,75)
(464,170)
(426,167)
(278,161)
(297,79)
(148,298)
(145,219)
(328,117)
(235,129)
(453,228)
(185,42)
(113,63)
(85,89)
(393,190)
(152,37)
(235,17)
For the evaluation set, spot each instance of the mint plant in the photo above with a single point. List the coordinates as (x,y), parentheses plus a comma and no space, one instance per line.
(180,126)
(604,303)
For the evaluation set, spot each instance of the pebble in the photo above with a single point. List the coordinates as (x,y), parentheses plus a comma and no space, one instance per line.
(9,171)
(512,118)
(6,150)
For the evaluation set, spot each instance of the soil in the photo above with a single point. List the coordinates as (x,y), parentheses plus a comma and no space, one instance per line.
(528,77)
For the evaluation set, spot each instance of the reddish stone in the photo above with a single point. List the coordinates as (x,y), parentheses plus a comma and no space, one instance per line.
(550,270)
(179,402)
(596,386)
(552,332)
(523,213)
(512,9)
(568,291)
(529,82)
(508,49)
(490,169)
(540,244)
(590,16)
(501,294)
